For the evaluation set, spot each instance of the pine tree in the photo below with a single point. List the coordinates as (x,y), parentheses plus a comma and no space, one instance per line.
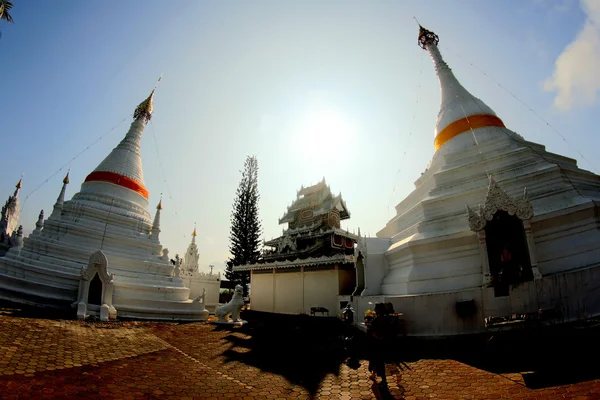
(245,225)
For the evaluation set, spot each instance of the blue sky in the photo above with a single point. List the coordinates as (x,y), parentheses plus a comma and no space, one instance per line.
(253,77)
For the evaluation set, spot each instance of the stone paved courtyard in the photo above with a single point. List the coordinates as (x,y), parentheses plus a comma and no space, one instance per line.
(69,359)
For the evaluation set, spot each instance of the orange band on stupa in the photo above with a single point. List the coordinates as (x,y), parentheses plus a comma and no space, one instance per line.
(117,179)
(464,125)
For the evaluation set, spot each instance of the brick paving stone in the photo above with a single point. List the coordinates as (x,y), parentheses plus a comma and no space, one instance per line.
(56,359)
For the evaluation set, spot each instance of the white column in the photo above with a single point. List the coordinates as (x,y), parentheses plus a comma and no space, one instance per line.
(485,262)
(531,248)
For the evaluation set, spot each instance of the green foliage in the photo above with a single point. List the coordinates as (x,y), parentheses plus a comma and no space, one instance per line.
(5,6)
(245,225)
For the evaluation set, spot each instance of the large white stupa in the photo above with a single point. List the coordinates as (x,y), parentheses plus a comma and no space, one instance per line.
(102,244)
(496,226)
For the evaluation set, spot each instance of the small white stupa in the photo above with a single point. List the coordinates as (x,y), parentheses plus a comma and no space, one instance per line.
(101,248)
(204,286)
(190,261)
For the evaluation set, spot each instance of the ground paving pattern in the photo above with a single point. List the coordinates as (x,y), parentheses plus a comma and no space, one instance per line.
(69,359)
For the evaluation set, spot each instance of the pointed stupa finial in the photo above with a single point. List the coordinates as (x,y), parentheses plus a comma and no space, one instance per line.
(460,111)
(194,232)
(18,186)
(426,37)
(156,223)
(40,222)
(58,205)
(159,206)
(144,109)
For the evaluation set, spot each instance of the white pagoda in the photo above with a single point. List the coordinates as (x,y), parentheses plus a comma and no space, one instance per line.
(204,286)
(100,251)
(496,226)
(190,261)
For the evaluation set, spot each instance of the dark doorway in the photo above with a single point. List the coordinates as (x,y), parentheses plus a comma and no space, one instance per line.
(95,291)
(507,252)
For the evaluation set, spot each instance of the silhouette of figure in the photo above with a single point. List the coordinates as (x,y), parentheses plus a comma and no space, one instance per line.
(378,331)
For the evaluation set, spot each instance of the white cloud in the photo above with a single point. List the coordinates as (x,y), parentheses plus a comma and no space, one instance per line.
(575,79)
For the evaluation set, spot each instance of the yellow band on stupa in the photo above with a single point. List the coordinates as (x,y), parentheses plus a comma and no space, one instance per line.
(464,125)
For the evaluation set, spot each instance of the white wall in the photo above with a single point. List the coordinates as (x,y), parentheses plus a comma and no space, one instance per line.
(321,290)
(576,294)
(288,292)
(295,292)
(212,286)
(261,292)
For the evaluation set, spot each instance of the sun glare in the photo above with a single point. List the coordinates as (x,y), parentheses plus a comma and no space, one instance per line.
(324,130)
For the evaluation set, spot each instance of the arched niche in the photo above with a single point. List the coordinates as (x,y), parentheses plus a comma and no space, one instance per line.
(96,289)
(507,248)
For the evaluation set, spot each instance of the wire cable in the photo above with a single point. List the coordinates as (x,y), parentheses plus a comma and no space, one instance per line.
(524,142)
(70,162)
(526,106)
(410,129)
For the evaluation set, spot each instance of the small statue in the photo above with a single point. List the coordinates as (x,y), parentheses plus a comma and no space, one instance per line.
(233,307)
(165,255)
(201,298)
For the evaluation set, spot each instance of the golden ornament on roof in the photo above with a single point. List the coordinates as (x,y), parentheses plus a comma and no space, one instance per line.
(145,108)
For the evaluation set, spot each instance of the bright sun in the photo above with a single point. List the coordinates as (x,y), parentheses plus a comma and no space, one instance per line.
(323,131)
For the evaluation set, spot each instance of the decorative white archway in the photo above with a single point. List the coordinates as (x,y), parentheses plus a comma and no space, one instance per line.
(497,199)
(97,265)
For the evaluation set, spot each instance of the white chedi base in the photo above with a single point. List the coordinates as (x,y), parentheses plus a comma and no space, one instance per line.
(433,249)
(47,270)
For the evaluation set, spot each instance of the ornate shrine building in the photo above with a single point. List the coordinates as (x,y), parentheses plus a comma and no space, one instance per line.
(312,263)
(100,252)
(496,227)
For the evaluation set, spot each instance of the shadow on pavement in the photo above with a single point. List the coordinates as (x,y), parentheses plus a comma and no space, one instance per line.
(545,357)
(305,349)
(24,311)
(300,348)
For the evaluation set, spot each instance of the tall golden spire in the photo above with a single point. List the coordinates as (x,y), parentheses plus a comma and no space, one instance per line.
(66,179)
(19,185)
(194,233)
(145,107)
(159,206)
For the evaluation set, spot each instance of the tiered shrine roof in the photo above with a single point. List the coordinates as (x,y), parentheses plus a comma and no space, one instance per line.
(319,198)
(313,236)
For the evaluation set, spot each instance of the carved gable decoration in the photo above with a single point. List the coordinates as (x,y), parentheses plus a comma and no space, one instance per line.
(287,242)
(98,263)
(497,199)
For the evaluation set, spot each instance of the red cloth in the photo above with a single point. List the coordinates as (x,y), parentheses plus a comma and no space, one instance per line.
(505,256)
